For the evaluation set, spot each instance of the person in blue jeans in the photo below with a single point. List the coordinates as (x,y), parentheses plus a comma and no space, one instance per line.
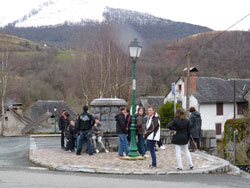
(121,132)
(140,126)
(85,123)
(152,133)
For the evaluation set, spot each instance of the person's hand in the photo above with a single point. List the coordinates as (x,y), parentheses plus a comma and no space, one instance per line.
(98,132)
(174,132)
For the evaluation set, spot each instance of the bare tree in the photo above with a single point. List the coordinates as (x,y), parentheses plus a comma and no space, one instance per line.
(4,74)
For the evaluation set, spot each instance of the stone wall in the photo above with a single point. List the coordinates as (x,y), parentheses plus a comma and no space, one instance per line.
(106,109)
(13,126)
(242,140)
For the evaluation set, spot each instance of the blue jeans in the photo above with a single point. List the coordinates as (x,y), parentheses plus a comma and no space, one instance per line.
(141,143)
(123,143)
(151,145)
(80,139)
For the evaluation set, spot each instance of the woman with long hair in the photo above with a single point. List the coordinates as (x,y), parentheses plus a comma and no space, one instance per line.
(181,136)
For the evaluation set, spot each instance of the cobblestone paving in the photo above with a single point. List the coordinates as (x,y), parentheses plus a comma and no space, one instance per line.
(166,160)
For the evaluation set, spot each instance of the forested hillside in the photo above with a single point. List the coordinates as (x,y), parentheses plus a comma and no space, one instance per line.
(103,69)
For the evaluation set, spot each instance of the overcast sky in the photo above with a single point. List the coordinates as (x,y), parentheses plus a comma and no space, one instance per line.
(215,14)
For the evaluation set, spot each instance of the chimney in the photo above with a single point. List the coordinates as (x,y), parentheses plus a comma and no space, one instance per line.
(18,107)
(193,74)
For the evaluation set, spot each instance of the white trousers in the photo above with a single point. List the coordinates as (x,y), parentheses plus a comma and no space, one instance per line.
(178,155)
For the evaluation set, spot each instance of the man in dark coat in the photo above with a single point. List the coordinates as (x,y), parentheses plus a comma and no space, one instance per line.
(85,123)
(121,131)
(195,125)
(62,124)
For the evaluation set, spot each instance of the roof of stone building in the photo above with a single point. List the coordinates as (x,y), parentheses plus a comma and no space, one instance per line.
(43,106)
(215,90)
(147,101)
(22,118)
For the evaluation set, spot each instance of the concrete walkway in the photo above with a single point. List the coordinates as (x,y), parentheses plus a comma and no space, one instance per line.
(110,163)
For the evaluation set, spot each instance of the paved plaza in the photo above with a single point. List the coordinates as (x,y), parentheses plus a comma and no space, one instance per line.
(58,159)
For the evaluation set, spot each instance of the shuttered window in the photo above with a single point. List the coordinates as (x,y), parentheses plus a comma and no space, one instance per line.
(218,128)
(240,108)
(219,109)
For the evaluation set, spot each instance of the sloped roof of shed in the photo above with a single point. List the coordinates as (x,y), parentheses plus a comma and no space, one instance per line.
(43,106)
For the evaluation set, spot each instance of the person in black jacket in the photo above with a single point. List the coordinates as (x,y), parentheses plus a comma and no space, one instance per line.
(62,124)
(181,136)
(85,123)
(121,131)
(70,136)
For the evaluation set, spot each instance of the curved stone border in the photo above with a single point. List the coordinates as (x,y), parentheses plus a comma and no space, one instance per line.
(218,166)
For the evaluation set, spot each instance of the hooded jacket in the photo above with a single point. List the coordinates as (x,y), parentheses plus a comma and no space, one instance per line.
(195,124)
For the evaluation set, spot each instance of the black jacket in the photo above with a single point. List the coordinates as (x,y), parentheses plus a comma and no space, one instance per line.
(195,124)
(182,131)
(70,132)
(62,123)
(120,124)
(85,121)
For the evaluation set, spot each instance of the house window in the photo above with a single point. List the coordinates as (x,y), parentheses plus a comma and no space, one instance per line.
(6,119)
(219,109)
(240,108)
(179,87)
(218,128)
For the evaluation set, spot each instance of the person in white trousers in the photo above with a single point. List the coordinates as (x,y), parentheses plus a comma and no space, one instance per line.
(181,136)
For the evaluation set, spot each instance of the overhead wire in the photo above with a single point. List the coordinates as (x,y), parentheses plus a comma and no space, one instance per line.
(200,46)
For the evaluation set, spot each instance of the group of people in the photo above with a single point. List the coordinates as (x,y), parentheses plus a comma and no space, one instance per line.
(84,127)
(148,132)
(147,127)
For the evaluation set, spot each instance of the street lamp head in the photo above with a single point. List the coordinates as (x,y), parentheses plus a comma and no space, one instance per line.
(134,49)
(55,109)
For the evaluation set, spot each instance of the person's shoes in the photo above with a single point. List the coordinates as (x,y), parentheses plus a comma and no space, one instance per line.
(151,166)
(145,155)
(191,167)
(97,151)
(162,147)
(121,155)
(78,154)
(179,168)
(69,151)
(107,151)
(156,149)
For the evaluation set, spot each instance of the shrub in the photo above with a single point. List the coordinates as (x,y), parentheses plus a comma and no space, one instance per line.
(166,112)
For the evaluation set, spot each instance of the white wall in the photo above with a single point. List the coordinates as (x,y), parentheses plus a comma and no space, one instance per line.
(179,96)
(209,117)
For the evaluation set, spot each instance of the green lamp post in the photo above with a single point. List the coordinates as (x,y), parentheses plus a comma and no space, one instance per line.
(134,51)
(55,109)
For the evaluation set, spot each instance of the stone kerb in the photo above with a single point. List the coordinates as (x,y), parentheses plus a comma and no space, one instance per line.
(106,109)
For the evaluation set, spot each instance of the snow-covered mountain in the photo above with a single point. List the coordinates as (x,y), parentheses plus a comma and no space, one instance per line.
(54,12)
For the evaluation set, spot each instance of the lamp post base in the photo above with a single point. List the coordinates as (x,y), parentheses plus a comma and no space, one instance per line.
(133,158)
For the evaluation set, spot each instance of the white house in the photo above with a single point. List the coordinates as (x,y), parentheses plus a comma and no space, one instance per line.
(212,97)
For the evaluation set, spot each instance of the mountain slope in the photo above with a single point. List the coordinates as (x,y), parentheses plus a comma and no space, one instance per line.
(129,24)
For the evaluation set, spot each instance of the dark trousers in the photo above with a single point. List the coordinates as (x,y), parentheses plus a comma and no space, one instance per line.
(62,139)
(151,146)
(141,144)
(70,144)
(80,139)
(197,141)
